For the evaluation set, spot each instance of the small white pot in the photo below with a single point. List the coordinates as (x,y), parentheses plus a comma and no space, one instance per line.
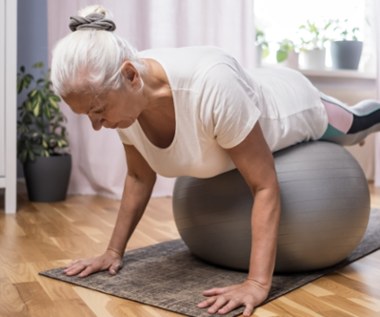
(313,59)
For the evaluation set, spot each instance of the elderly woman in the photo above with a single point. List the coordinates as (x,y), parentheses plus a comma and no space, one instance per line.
(194,111)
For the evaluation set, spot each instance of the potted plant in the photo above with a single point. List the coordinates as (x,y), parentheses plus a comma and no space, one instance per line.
(287,53)
(346,49)
(42,138)
(262,46)
(313,41)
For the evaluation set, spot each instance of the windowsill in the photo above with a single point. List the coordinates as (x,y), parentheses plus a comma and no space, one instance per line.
(342,74)
(333,73)
(349,86)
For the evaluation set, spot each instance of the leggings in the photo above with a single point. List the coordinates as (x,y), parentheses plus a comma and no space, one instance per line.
(350,125)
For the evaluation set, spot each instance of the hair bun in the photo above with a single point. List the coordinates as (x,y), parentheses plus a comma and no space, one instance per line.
(95,21)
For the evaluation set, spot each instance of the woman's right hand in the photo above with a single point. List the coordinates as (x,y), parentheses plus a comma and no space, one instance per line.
(109,260)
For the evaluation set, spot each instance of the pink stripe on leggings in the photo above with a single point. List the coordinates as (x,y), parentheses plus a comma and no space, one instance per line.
(340,118)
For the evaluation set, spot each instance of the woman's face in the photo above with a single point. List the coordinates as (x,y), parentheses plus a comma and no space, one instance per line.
(112,109)
(115,108)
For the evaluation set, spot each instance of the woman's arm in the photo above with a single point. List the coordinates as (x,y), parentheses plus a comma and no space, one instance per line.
(255,162)
(137,191)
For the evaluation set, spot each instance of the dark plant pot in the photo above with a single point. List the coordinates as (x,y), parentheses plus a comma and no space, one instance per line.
(346,54)
(47,178)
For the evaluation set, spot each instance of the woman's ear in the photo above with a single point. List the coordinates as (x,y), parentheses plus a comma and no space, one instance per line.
(131,75)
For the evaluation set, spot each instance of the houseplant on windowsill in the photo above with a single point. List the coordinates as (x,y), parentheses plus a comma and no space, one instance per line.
(287,53)
(346,49)
(262,46)
(313,39)
(42,140)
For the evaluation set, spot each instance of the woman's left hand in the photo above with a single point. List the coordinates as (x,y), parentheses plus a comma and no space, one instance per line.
(223,300)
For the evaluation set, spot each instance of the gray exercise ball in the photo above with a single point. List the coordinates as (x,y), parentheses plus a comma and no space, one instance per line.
(324,215)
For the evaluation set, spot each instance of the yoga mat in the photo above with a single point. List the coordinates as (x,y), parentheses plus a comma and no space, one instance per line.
(167,276)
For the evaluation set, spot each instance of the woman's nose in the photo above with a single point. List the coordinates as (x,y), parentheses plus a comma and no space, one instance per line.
(96,122)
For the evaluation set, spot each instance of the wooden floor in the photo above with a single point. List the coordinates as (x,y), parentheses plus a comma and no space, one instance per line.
(42,236)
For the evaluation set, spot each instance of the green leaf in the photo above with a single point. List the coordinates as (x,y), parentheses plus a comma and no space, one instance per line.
(48,113)
(27,80)
(53,102)
(281,56)
(64,143)
(19,87)
(38,65)
(36,110)
(29,106)
(33,93)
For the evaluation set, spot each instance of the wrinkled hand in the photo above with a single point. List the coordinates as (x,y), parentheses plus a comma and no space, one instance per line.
(110,261)
(223,300)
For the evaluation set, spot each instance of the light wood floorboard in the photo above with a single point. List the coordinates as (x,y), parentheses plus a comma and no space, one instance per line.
(41,236)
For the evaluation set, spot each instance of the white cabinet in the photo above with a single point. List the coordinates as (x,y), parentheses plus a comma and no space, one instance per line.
(8,103)
(2,94)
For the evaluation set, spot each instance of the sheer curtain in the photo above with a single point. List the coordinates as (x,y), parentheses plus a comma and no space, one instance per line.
(98,158)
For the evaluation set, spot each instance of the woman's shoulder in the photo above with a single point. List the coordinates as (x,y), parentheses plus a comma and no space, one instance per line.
(187,66)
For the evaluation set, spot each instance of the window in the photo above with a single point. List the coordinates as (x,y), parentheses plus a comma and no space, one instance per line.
(281,20)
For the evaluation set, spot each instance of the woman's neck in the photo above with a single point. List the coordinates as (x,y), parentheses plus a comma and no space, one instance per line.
(158,119)
(156,84)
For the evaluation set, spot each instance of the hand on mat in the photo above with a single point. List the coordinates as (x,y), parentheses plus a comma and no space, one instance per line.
(223,300)
(108,261)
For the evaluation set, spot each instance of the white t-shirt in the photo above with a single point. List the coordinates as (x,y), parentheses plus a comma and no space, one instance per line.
(217,103)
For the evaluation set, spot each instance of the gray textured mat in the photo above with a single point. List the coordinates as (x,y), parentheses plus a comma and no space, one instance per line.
(167,276)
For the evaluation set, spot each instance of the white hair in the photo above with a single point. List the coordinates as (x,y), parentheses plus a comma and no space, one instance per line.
(90,59)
